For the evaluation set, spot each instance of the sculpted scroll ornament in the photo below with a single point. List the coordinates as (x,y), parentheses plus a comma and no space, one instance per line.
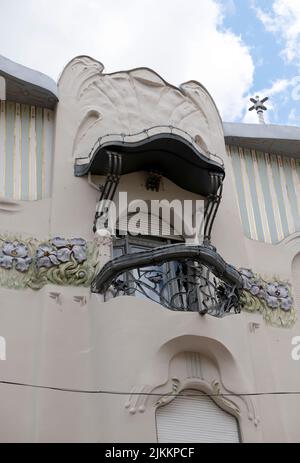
(144,396)
(133,102)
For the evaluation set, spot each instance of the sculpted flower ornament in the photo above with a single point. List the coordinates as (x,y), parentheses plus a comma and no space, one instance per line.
(251,283)
(275,294)
(14,252)
(75,247)
(66,262)
(46,256)
(60,251)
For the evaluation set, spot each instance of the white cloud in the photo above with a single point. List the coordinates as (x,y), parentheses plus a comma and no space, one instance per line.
(180,39)
(278,86)
(284,20)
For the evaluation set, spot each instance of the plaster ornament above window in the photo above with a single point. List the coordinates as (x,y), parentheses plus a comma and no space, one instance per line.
(188,370)
(273,299)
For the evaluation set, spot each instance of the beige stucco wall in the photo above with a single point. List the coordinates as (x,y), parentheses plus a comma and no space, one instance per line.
(128,345)
(69,338)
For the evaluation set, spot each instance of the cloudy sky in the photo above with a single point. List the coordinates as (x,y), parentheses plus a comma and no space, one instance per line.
(236,48)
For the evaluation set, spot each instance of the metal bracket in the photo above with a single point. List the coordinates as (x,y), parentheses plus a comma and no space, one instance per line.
(212,209)
(109,188)
(153,181)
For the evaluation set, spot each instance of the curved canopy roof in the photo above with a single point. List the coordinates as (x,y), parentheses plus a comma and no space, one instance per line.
(169,154)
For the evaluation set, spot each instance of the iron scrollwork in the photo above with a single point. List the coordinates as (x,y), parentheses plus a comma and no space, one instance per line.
(179,277)
(212,206)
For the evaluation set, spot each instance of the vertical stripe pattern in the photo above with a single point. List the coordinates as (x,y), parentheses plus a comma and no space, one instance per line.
(26,142)
(268,192)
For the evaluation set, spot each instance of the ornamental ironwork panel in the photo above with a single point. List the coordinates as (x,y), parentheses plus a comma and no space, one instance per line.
(198,280)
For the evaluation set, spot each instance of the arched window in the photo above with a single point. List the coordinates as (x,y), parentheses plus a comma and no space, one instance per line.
(296,279)
(193,417)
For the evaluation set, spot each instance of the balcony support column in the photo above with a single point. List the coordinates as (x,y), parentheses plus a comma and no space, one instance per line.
(104,243)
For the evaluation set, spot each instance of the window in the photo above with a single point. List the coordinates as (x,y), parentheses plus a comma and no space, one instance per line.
(161,283)
(195,419)
(128,244)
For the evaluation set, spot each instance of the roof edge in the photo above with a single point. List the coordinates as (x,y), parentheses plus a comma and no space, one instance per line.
(28,80)
(279,139)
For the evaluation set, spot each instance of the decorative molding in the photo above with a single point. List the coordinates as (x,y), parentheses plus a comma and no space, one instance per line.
(56,296)
(136,100)
(171,395)
(220,399)
(221,390)
(193,375)
(104,242)
(103,238)
(137,401)
(194,365)
(195,369)
(272,299)
(81,300)
(9,206)
(28,263)
(253,327)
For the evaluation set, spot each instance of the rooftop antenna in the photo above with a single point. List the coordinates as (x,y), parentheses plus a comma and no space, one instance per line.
(259,107)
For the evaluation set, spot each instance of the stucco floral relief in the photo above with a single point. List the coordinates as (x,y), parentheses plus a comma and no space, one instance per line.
(273,299)
(15,254)
(29,263)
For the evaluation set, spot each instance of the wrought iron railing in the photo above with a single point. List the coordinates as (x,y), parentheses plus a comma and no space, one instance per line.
(179,277)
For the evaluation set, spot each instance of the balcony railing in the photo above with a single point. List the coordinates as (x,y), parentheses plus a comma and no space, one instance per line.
(179,277)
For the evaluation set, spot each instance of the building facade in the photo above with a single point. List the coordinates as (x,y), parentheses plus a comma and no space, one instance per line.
(159,335)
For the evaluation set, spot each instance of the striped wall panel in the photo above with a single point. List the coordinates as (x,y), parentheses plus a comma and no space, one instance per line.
(26,138)
(268,193)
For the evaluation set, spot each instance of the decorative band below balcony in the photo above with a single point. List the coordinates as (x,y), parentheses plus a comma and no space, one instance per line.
(179,277)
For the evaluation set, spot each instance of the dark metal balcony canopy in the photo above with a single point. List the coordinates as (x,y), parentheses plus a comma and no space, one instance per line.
(175,252)
(169,154)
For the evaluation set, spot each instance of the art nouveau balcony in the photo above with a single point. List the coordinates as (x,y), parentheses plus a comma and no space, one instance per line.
(179,277)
